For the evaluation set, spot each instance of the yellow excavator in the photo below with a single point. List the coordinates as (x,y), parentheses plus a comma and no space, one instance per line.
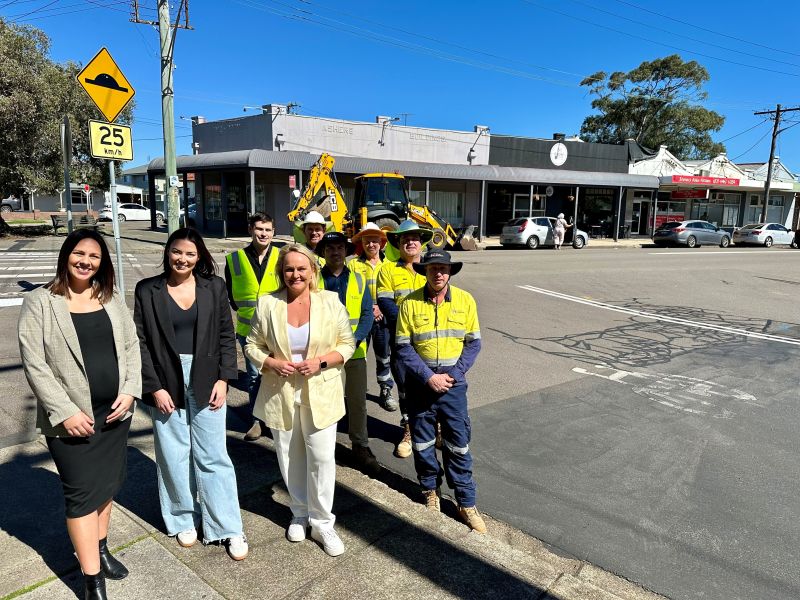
(380,198)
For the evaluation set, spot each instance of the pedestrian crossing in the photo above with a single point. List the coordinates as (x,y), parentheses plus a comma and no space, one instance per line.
(21,272)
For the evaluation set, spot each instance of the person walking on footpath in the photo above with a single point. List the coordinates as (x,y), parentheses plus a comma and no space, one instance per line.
(369,243)
(80,355)
(188,355)
(438,339)
(249,274)
(354,295)
(301,337)
(395,281)
(560,230)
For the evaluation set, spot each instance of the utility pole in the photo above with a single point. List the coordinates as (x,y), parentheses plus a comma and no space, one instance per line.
(166,33)
(775,133)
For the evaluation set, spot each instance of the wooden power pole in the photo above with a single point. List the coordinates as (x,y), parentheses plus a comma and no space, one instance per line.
(775,133)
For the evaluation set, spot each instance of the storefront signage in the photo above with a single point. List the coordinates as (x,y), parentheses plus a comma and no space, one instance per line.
(683,194)
(666,218)
(702,180)
(343,129)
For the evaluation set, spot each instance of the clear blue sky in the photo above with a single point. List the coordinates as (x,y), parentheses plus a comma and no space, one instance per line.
(513,65)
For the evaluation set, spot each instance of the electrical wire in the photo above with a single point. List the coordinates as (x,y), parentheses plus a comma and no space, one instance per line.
(734,159)
(743,132)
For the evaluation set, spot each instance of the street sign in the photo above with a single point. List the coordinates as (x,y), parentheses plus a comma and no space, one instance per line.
(86,187)
(106,85)
(110,141)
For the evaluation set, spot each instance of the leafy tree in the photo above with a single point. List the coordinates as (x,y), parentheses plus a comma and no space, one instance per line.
(655,103)
(35,94)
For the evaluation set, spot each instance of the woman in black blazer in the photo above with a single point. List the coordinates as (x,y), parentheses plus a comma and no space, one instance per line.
(188,354)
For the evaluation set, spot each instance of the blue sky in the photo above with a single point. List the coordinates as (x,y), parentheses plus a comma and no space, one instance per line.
(513,65)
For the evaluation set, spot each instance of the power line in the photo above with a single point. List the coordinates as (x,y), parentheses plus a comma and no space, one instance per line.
(743,132)
(751,147)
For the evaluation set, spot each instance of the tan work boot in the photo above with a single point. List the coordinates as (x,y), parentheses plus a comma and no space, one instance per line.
(403,449)
(473,518)
(432,501)
(254,432)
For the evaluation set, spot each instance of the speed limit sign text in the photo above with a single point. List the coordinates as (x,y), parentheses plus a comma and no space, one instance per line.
(110,141)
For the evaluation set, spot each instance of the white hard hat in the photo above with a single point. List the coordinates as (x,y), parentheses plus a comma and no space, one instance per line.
(313,217)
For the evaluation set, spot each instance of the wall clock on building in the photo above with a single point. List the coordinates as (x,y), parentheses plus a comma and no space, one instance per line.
(558,154)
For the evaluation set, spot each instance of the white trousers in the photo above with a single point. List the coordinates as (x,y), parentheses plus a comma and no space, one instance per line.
(306,457)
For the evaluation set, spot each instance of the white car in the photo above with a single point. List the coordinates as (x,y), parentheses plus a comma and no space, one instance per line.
(130,211)
(538,231)
(764,234)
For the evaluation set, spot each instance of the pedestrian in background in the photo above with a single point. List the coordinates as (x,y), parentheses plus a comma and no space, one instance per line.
(301,337)
(81,358)
(249,274)
(438,340)
(188,355)
(560,230)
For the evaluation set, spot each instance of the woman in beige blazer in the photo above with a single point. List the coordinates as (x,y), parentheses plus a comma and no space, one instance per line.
(81,357)
(301,337)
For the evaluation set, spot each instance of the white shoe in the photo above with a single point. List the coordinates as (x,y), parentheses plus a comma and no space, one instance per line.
(237,547)
(297,529)
(330,541)
(187,538)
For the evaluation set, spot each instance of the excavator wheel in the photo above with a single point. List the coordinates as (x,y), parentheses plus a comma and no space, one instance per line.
(386,224)
(439,239)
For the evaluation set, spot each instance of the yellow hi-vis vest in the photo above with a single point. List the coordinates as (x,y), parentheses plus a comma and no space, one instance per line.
(354,296)
(368,271)
(246,288)
(396,281)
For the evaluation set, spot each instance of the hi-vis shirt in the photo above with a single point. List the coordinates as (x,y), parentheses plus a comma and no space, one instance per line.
(395,281)
(438,338)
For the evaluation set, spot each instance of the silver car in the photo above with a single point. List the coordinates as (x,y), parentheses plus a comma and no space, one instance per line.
(538,231)
(764,234)
(691,233)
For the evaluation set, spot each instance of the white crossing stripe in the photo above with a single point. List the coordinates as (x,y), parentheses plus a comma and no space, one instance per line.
(10,302)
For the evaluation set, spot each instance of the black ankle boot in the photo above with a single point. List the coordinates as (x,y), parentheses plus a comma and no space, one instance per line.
(94,587)
(111,567)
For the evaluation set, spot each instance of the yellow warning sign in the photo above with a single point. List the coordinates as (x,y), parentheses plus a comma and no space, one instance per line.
(106,85)
(110,141)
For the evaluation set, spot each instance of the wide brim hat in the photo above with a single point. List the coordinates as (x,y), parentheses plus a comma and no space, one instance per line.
(437,257)
(335,236)
(409,226)
(370,229)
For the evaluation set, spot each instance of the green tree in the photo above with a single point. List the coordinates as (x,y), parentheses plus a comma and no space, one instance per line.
(655,103)
(35,94)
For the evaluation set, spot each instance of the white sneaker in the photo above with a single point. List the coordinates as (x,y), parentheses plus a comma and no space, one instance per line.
(237,547)
(187,538)
(297,529)
(330,541)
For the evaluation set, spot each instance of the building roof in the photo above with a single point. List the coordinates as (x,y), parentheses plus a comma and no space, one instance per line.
(293,160)
(140,170)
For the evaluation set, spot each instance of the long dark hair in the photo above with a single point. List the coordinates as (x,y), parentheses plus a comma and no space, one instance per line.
(205,267)
(102,281)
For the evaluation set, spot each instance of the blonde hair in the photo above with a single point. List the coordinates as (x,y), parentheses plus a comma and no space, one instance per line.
(312,259)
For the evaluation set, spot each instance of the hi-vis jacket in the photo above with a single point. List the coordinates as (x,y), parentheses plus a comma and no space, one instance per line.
(438,338)
(246,287)
(368,271)
(356,295)
(395,281)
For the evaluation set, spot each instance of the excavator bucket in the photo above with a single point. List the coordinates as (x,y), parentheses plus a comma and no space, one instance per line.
(467,241)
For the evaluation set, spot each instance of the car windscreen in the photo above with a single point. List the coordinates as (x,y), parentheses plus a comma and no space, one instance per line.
(669,225)
(752,226)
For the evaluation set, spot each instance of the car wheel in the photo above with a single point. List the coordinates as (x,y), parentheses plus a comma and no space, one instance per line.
(121,218)
(725,242)
(691,241)
(5,208)
(794,242)
(533,242)
(579,242)
(768,242)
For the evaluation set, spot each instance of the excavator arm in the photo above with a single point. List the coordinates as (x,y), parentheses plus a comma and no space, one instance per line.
(443,232)
(323,194)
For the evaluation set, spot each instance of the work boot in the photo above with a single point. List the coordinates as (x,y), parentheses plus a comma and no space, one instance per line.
(94,587)
(255,431)
(111,567)
(365,459)
(432,501)
(388,402)
(438,435)
(471,516)
(403,449)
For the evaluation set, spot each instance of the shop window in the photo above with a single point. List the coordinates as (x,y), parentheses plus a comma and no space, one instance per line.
(212,197)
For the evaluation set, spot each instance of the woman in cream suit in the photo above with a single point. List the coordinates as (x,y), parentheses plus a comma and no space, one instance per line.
(301,337)
(81,357)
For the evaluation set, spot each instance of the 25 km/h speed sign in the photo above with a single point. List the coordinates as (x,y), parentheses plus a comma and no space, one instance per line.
(110,141)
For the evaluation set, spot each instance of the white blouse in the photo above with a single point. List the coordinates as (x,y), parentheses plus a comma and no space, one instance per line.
(298,343)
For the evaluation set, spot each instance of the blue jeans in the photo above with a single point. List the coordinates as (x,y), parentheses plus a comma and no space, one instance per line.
(196,479)
(252,375)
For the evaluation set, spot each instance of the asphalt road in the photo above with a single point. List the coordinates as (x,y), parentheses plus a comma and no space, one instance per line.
(636,408)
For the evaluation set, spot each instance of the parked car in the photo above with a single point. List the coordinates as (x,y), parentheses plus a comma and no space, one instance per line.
(691,233)
(10,204)
(130,211)
(764,234)
(538,231)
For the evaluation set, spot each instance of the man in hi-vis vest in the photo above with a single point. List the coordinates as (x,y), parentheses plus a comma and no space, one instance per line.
(250,273)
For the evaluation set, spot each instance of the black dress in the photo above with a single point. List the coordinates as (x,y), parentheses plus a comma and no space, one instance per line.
(92,469)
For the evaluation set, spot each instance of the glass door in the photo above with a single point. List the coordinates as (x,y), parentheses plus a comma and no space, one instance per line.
(522,205)
(636,214)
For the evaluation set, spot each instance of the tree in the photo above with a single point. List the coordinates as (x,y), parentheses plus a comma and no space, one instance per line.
(655,103)
(35,94)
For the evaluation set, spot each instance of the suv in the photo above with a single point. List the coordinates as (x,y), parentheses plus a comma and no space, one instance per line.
(10,204)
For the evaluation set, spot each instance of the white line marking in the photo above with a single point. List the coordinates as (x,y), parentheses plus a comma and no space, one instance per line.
(688,252)
(17,276)
(10,302)
(656,317)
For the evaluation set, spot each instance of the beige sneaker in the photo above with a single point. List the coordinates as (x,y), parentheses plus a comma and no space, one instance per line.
(403,449)
(473,518)
(432,500)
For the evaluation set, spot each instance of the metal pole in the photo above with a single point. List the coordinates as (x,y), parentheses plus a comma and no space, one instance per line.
(619,213)
(252,191)
(575,212)
(66,146)
(427,192)
(114,215)
(768,186)
(166,34)
(482,220)
(654,198)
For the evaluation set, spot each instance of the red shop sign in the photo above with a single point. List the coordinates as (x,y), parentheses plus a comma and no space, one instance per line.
(698,180)
(683,194)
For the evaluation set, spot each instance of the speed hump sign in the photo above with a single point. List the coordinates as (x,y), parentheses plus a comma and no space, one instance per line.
(110,141)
